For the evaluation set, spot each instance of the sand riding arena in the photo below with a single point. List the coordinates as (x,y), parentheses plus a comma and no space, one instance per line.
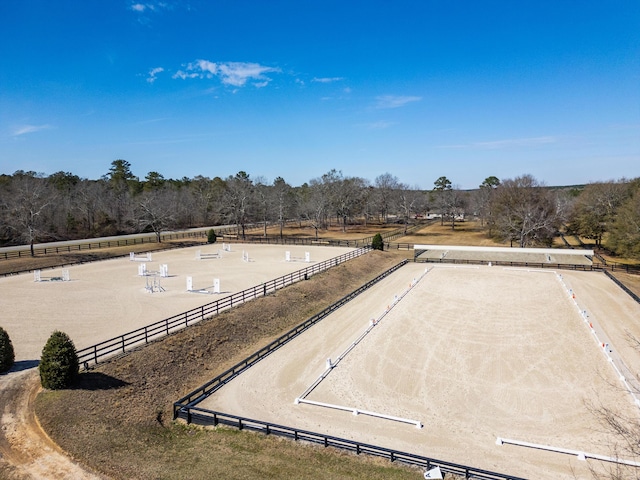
(487,365)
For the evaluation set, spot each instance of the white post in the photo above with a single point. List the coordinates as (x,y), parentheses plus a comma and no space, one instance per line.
(65,275)
(132,256)
(36,275)
(216,285)
(287,256)
(164,270)
(198,255)
(189,284)
(307,257)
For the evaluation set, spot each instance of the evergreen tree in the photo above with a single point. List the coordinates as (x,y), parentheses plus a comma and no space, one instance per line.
(59,362)
(377,243)
(7,355)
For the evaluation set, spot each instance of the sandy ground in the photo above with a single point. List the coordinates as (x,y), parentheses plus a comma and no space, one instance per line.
(557,257)
(25,449)
(473,353)
(105,299)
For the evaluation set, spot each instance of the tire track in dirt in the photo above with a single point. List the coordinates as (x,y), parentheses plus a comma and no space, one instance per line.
(26,452)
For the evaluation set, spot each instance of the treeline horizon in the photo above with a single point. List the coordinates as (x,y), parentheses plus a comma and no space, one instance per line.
(523,211)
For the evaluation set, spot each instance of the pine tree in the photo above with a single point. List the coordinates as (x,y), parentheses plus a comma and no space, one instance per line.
(377,243)
(59,362)
(7,355)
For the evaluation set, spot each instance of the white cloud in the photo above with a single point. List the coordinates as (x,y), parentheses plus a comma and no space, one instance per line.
(153,74)
(327,79)
(395,101)
(25,129)
(150,6)
(236,74)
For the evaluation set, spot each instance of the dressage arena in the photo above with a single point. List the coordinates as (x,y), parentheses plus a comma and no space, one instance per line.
(459,356)
(447,359)
(103,300)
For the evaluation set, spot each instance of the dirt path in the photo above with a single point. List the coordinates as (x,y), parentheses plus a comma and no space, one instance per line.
(26,452)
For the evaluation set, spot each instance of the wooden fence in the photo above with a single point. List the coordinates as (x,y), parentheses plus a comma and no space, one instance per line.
(201,416)
(208,388)
(186,408)
(134,339)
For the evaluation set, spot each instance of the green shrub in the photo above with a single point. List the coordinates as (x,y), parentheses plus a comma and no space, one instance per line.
(211,236)
(377,243)
(7,355)
(59,362)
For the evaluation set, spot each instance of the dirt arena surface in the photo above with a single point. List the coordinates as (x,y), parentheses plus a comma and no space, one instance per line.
(473,354)
(105,299)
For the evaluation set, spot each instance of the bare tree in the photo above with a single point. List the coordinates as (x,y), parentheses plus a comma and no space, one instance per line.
(282,201)
(262,203)
(408,201)
(484,197)
(315,202)
(386,188)
(156,210)
(525,211)
(28,200)
(237,199)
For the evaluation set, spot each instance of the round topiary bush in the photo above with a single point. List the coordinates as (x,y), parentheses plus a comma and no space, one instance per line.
(7,355)
(377,243)
(59,362)
(211,236)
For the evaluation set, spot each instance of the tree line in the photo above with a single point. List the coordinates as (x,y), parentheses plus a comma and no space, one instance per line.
(522,211)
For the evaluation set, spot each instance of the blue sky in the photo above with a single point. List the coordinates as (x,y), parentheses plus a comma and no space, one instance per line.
(295,88)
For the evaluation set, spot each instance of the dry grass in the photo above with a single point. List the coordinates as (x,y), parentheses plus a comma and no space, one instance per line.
(117,419)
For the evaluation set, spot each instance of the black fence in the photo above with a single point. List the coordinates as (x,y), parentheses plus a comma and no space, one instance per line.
(622,286)
(563,266)
(602,267)
(98,244)
(123,343)
(201,416)
(186,409)
(211,386)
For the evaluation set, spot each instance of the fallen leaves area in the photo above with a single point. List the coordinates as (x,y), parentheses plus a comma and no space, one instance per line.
(117,419)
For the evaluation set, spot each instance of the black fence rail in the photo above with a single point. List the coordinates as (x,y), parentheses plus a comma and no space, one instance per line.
(360,242)
(622,286)
(201,416)
(98,244)
(141,336)
(616,266)
(211,386)
(563,266)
